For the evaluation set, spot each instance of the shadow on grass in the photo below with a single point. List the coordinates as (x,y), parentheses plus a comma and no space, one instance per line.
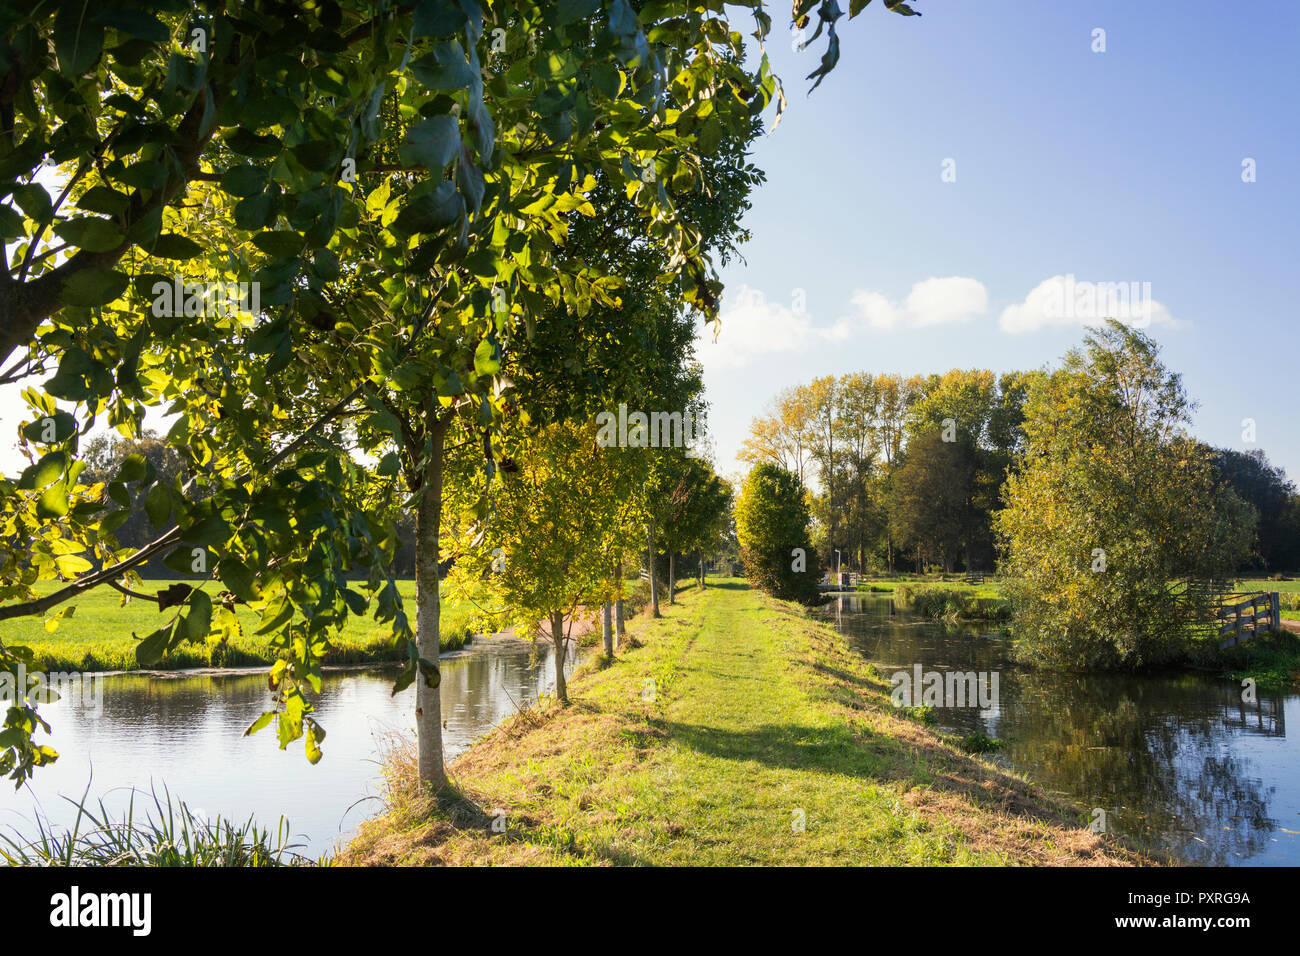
(877,758)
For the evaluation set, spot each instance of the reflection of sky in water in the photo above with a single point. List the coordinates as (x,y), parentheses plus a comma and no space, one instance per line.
(1178,762)
(185,732)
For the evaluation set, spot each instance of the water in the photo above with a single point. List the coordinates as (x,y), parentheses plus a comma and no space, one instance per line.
(184,732)
(1177,761)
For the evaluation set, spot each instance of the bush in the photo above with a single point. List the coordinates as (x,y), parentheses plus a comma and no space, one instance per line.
(950,604)
(772,523)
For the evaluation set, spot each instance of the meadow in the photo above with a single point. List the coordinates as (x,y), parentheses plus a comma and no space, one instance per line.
(101,635)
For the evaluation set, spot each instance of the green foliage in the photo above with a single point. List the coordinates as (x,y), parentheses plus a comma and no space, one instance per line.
(1110,503)
(772,523)
(167,835)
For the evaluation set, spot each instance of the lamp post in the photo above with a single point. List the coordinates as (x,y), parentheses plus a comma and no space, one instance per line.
(839,580)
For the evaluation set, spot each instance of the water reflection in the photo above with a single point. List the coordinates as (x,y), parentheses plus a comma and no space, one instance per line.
(1178,761)
(185,732)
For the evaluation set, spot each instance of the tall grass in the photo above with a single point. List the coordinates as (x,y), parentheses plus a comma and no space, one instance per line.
(950,604)
(168,835)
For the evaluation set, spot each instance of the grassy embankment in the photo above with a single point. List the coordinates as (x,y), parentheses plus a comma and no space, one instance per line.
(707,741)
(98,636)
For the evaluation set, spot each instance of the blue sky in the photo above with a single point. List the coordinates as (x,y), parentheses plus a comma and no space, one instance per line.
(1115,166)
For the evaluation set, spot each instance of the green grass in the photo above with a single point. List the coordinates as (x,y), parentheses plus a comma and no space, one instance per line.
(989,589)
(708,740)
(98,636)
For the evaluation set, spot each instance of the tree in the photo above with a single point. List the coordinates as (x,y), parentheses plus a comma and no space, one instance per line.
(1266,488)
(272,147)
(931,498)
(699,510)
(772,523)
(553,519)
(1110,503)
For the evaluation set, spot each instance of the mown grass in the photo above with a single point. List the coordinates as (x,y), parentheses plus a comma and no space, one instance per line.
(734,730)
(98,636)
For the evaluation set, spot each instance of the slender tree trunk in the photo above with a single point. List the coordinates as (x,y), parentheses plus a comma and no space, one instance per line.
(428,517)
(557,638)
(672,576)
(618,604)
(654,581)
(607,628)
(700,554)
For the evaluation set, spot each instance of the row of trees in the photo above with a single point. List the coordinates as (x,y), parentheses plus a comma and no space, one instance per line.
(901,471)
(402,182)
(910,472)
(1083,483)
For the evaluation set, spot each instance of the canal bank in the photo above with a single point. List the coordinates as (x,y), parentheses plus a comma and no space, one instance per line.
(738,731)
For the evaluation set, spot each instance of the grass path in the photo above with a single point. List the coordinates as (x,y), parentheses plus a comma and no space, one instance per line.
(739,732)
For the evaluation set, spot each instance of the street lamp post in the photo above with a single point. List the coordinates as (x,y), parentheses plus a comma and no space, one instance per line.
(839,580)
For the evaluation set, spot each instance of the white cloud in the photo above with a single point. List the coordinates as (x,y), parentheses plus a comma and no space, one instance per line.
(1066,301)
(931,302)
(753,326)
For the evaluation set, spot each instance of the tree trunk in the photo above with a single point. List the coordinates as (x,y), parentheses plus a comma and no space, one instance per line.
(672,576)
(428,517)
(654,582)
(557,638)
(607,628)
(618,605)
(700,555)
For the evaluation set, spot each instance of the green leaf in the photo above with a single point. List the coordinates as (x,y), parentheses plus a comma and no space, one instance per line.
(133,468)
(54,502)
(438,18)
(486,361)
(432,143)
(35,202)
(136,23)
(261,723)
(198,623)
(91,234)
(237,578)
(173,246)
(46,471)
(158,504)
(105,200)
(78,40)
(243,181)
(91,287)
(279,243)
(150,650)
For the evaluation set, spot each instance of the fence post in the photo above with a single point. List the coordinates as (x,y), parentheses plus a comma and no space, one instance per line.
(1275,616)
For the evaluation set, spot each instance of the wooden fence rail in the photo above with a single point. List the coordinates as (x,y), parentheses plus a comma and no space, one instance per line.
(1243,616)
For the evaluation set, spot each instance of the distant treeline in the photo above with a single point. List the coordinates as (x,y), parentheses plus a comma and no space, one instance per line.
(907,472)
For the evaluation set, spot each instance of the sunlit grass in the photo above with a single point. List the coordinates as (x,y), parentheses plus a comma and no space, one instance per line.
(736,731)
(98,636)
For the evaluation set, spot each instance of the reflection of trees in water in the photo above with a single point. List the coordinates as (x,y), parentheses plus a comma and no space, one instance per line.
(1151,751)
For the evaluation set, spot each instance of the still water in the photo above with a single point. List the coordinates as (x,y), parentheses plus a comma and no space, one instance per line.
(184,732)
(1178,762)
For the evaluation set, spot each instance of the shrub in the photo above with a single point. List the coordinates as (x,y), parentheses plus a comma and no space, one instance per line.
(772,523)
